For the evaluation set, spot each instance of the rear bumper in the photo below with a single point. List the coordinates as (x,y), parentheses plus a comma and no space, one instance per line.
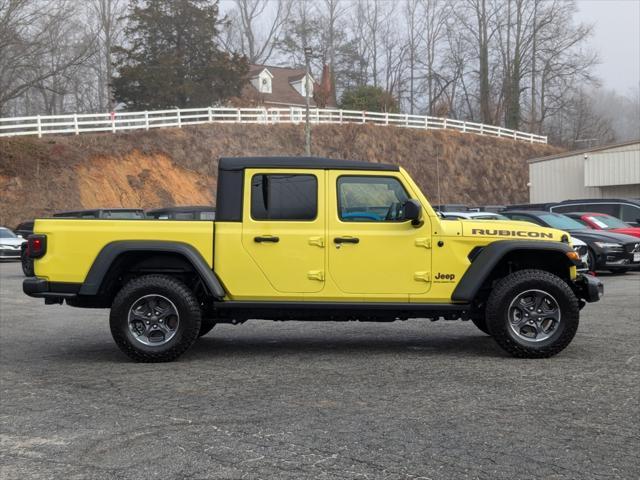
(588,288)
(55,291)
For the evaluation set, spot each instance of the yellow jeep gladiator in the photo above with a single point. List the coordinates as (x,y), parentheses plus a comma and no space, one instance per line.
(299,238)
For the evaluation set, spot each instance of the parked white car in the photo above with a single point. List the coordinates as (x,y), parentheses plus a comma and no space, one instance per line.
(473,215)
(10,244)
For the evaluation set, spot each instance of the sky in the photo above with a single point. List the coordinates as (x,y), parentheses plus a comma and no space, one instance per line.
(616,39)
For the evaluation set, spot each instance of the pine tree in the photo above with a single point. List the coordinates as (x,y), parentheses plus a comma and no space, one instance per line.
(172,58)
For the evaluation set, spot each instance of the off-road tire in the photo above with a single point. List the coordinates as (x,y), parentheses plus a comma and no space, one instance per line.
(481,323)
(508,289)
(206,325)
(177,292)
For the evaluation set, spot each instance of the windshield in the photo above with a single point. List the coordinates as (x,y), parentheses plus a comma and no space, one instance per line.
(6,233)
(606,222)
(561,222)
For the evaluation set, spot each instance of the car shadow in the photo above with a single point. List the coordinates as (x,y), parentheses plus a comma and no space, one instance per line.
(261,345)
(478,345)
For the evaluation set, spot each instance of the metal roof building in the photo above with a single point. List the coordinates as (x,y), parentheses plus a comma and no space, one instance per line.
(610,171)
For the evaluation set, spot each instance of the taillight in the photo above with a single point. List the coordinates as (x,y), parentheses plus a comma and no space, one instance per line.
(37,245)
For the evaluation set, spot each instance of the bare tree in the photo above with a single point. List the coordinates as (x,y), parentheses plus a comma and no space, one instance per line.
(109,16)
(254,30)
(414,21)
(434,29)
(26,31)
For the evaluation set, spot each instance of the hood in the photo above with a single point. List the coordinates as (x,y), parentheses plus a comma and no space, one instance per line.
(512,230)
(602,236)
(15,242)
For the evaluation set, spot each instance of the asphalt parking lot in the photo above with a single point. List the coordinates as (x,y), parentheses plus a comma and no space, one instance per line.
(405,400)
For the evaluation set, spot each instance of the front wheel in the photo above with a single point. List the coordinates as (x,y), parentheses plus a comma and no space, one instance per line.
(155,318)
(532,314)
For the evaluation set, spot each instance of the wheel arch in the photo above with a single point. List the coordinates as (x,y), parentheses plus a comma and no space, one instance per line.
(112,261)
(501,257)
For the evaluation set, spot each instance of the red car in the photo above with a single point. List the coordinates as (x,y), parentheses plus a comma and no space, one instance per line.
(602,221)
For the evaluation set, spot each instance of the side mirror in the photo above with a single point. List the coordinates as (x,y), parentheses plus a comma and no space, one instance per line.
(412,210)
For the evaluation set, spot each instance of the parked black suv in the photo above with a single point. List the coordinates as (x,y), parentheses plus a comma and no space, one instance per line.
(611,251)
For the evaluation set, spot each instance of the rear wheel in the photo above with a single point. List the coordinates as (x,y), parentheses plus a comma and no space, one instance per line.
(532,314)
(155,318)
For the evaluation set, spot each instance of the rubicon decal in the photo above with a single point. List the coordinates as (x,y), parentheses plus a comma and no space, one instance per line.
(510,233)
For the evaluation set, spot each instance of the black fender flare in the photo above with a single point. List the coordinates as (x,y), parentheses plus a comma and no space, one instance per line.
(491,255)
(113,250)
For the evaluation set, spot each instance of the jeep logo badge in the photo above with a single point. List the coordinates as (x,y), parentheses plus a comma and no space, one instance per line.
(444,277)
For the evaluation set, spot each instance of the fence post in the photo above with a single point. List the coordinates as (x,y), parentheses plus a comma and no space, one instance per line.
(179,119)
(209,115)
(499,131)
(515,134)
(340,116)
(113,122)
(363,116)
(238,115)
(39,127)
(444,124)
(464,127)
(75,123)
(146,120)
(482,129)
(426,122)
(406,120)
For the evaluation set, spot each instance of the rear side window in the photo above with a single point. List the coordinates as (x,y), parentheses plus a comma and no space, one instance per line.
(284,197)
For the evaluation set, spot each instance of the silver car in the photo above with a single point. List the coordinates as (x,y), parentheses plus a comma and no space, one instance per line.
(10,244)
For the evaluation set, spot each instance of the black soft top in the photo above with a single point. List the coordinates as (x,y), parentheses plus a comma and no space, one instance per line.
(240,163)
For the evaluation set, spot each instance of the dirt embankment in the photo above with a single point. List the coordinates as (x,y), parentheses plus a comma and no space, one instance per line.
(167,167)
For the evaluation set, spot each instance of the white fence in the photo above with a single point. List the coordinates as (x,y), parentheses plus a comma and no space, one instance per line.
(119,121)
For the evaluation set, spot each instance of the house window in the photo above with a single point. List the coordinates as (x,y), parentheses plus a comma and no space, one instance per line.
(265,83)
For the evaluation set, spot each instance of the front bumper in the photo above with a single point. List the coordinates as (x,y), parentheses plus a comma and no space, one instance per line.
(617,259)
(10,252)
(588,288)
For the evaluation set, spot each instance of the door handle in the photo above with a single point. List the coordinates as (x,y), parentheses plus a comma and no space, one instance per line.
(339,240)
(266,238)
